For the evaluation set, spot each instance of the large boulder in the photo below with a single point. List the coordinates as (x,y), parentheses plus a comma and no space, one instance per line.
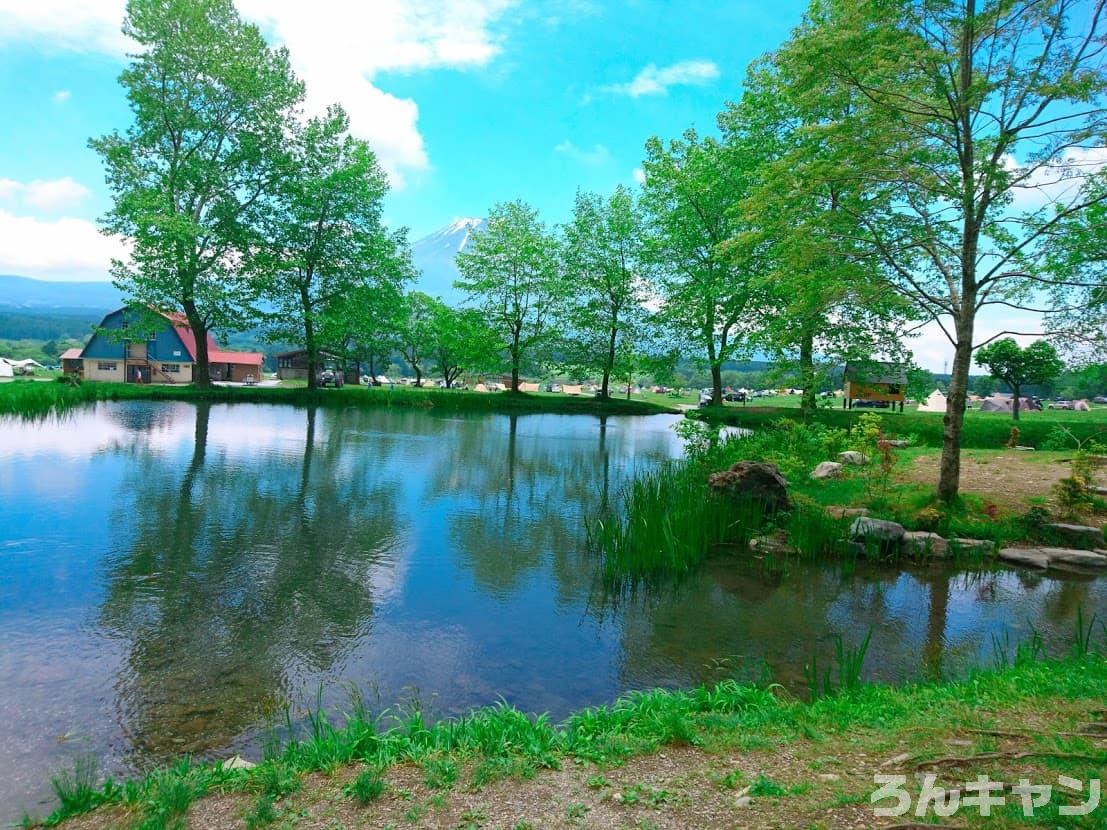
(827,469)
(922,543)
(879,534)
(1078,536)
(853,457)
(973,547)
(840,512)
(752,482)
(1030,557)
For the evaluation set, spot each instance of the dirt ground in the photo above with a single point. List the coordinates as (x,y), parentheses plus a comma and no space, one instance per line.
(1008,478)
(819,782)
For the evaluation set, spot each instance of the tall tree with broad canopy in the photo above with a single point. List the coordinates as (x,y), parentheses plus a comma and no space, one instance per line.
(823,302)
(210,102)
(325,244)
(461,341)
(604,256)
(1017,367)
(510,269)
(964,110)
(417,331)
(707,297)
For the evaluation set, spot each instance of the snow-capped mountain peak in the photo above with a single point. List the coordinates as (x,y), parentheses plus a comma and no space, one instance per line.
(434,257)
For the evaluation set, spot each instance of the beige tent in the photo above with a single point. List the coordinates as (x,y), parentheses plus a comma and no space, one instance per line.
(936,402)
(480,387)
(528,387)
(571,390)
(1081,406)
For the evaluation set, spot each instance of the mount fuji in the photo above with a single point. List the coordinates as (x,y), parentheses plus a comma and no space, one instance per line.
(434,256)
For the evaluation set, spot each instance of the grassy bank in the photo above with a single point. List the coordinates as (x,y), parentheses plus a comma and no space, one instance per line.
(31,398)
(983,430)
(658,755)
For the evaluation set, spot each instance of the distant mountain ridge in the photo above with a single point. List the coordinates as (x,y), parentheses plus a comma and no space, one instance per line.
(434,256)
(31,295)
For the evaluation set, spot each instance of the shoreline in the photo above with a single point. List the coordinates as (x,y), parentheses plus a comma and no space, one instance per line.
(704,755)
(35,398)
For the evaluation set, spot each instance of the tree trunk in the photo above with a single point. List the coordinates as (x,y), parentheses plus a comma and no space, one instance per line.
(515,361)
(418,374)
(808,403)
(950,471)
(202,375)
(605,392)
(309,339)
(1016,388)
(717,384)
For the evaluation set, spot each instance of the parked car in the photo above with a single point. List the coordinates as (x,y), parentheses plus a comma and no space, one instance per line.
(1100,399)
(553,387)
(870,404)
(331,377)
(735,397)
(1062,405)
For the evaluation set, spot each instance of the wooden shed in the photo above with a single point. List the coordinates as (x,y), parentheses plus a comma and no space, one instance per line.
(876,383)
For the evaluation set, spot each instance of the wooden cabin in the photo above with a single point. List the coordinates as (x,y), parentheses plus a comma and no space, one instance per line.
(875,382)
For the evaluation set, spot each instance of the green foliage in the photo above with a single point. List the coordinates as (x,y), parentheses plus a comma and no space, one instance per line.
(211,103)
(263,813)
(367,787)
(1017,367)
(511,270)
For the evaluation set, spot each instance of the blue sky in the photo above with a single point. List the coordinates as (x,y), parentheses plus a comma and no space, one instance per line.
(467,102)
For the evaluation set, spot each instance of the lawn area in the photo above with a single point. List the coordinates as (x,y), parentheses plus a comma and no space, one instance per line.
(718,756)
(40,398)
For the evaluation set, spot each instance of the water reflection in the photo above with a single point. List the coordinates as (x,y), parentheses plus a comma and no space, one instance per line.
(172,572)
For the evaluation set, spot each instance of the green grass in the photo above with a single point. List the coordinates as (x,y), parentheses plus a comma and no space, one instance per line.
(982,430)
(635,724)
(40,398)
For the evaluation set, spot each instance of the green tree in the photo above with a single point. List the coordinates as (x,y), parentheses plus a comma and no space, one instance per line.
(1017,367)
(706,297)
(962,109)
(461,341)
(210,103)
(820,292)
(984,386)
(510,269)
(417,331)
(324,239)
(604,261)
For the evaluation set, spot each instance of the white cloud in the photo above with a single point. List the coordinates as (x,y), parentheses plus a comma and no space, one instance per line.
(654,80)
(639,175)
(1059,181)
(61,96)
(338,48)
(56,249)
(594,157)
(44,195)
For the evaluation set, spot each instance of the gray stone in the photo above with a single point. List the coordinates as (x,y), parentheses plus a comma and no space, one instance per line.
(1030,557)
(752,482)
(898,443)
(1099,491)
(1080,536)
(238,762)
(866,529)
(925,543)
(1021,448)
(978,547)
(836,512)
(827,469)
(853,457)
(1070,556)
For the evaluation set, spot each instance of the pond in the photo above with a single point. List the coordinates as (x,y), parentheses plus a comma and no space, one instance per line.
(172,574)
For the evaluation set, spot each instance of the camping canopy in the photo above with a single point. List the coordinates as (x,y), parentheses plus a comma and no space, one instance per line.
(936,402)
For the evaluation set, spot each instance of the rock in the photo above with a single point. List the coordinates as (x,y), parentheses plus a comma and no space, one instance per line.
(753,482)
(925,543)
(829,776)
(774,543)
(238,762)
(1080,536)
(898,443)
(886,536)
(836,512)
(1099,491)
(1020,448)
(827,469)
(973,547)
(1030,557)
(853,457)
(1070,556)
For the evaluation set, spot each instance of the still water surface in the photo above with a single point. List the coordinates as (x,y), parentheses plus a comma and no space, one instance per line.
(172,573)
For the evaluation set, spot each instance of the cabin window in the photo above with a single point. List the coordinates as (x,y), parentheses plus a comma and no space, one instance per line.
(173,368)
(106,367)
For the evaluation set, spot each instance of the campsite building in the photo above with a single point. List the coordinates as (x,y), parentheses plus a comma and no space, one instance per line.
(877,382)
(164,353)
(71,362)
(294,365)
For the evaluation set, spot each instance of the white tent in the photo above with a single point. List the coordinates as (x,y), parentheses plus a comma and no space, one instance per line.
(5,369)
(936,402)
